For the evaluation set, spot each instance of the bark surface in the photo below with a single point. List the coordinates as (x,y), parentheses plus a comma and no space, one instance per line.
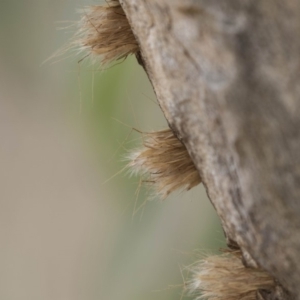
(226,74)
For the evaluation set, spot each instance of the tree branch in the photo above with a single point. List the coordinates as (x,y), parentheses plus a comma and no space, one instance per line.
(226,74)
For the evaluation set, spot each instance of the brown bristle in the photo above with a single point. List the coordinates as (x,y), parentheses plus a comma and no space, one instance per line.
(224,277)
(104,32)
(164,163)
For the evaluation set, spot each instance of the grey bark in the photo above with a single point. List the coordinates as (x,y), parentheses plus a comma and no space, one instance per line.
(226,74)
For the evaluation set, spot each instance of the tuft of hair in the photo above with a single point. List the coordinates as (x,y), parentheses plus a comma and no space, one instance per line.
(104,32)
(224,277)
(164,163)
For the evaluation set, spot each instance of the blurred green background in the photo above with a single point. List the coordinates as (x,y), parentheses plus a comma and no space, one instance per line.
(67,232)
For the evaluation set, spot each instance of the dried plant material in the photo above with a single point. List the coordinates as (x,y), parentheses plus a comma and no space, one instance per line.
(105,32)
(224,277)
(164,163)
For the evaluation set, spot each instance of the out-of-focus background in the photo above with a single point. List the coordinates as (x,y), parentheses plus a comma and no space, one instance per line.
(72,227)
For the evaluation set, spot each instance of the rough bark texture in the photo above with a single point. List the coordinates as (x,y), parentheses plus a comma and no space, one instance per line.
(227,76)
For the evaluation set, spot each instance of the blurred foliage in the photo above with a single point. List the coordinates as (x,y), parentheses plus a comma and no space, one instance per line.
(133,248)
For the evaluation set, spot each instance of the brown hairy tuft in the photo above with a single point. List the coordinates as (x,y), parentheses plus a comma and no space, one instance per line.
(164,163)
(224,277)
(104,31)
